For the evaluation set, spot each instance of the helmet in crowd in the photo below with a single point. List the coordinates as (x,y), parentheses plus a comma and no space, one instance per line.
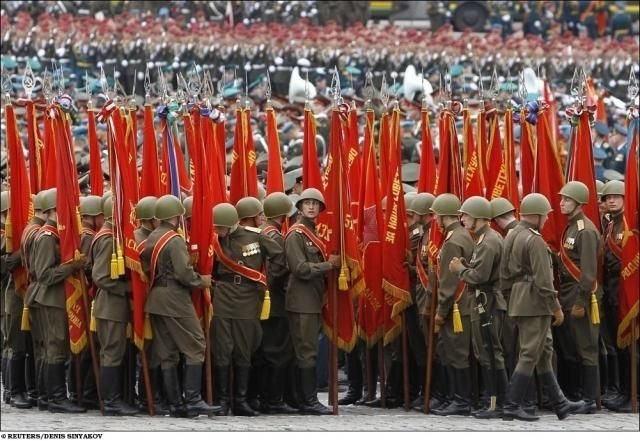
(168,206)
(188,206)
(314,194)
(249,207)
(500,206)
(49,199)
(225,215)
(446,204)
(613,188)
(535,204)
(107,207)
(90,205)
(477,207)
(39,200)
(422,203)
(146,208)
(576,190)
(277,204)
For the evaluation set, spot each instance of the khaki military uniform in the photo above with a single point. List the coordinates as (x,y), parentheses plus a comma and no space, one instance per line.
(526,264)
(578,338)
(457,243)
(50,295)
(509,331)
(15,340)
(411,313)
(111,306)
(237,300)
(482,277)
(176,329)
(305,293)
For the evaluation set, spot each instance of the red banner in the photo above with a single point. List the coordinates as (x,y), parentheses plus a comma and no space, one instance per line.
(629,266)
(244,176)
(354,163)
(311,176)
(19,195)
(428,171)
(275,176)
(96,180)
(49,166)
(150,176)
(527,154)
(472,172)
(509,161)
(36,149)
(497,173)
(384,145)
(68,199)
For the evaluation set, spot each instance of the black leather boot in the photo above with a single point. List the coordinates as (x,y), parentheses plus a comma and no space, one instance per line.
(30,376)
(6,393)
(501,387)
(516,391)
(274,402)
(172,391)
(110,386)
(192,385)
(57,391)
(19,398)
(160,406)
(354,376)
(240,405)
(612,392)
(562,406)
(461,404)
(591,383)
(310,404)
(90,391)
(222,389)
(41,373)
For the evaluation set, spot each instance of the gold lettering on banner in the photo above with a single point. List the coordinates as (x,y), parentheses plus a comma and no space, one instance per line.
(372,300)
(163,178)
(133,220)
(501,182)
(353,154)
(392,225)
(234,157)
(252,158)
(131,244)
(323,231)
(471,168)
(631,268)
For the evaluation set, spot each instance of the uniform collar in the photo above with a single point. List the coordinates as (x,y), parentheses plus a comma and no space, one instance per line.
(453,226)
(308,222)
(576,217)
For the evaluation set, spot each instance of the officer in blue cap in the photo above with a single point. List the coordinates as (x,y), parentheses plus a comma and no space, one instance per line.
(599,156)
(617,155)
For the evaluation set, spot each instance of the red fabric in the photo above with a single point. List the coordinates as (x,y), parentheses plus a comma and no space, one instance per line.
(527,155)
(67,207)
(340,238)
(49,166)
(481,145)
(581,165)
(96,180)
(511,186)
(371,304)
(275,176)
(20,197)
(395,240)
(150,181)
(354,163)
(244,177)
(165,182)
(548,180)
(184,171)
(630,280)
(428,171)
(311,176)
(472,172)
(211,153)
(496,173)
(36,149)
(384,146)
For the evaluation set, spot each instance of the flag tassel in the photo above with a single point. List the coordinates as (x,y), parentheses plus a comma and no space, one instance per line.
(93,327)
(25,324)
(114,266)
(457,319)
(266,306)
(595,310)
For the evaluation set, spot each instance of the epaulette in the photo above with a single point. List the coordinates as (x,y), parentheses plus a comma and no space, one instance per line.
(534,231)
(448,235)
(580,224)
(480,239)
(415,231)
(47,233)
(253,229)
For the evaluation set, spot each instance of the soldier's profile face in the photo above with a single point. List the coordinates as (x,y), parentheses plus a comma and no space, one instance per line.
(310,208)
(222,231)
(567,205)
(467,221)
(615,202)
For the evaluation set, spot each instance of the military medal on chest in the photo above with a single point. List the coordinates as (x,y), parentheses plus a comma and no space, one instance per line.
(569,243)
(251,249)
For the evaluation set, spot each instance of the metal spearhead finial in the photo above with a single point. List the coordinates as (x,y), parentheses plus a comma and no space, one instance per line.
(576,84)
(28,80)
(47,85)
(103,83)
(194,84)
(494,86)
(147,84)
(523,93)
(132,98)
(369,90)
(6,85)
(163,86)
(246,90)
(335,87)
(384,91)
(268,90)
(207,88)
(88,90)
(632,88)
(181,93)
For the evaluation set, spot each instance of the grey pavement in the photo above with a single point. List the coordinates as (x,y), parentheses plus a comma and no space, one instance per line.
(351,418)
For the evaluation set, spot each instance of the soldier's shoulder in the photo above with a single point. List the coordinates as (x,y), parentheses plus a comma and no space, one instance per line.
(253,230)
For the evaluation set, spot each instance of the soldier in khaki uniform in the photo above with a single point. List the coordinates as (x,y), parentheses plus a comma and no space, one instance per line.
(112,313)
(451,302)
(176,329)
(92,220)
(526,266)
(276,339)
(145,212)
(50,297)
(309,267)
(241,255)
(615,394)
(37,333)
(579,256)
(482,276)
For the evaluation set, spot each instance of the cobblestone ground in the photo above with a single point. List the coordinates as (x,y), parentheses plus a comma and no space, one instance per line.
(351,418)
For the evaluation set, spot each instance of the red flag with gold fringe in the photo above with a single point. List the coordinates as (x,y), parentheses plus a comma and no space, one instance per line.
(428,170)
(496,171)
(67,207)
(371,302)
(275,175)
(510,190)
(628,307)
(395,242)
(49,167)
(311,176)
(150,180)
(481,145)
(19,196)
(341,238)
(384,145)
(96,180)
(354,162)
(35,146)
(527,154)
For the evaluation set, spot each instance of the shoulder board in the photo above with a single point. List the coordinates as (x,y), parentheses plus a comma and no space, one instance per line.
(534,231)
(448,235)
(580,224)
(509,231)
(480,239)
(253,229)
(415,231)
